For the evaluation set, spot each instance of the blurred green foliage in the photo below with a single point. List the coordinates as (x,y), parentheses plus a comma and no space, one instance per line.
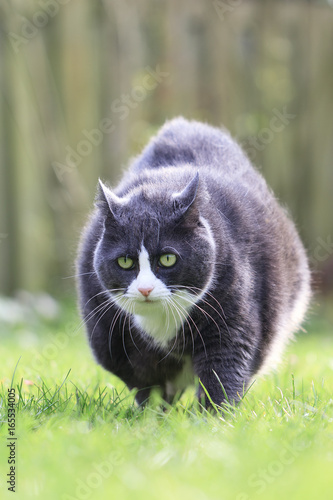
(81,436)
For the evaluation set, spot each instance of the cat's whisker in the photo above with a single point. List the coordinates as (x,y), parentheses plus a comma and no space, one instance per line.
(104,292)
(214,309)
(174,317)
(182,318)
(220,316)
(123,338)
(223,318)
(217,302)
(202,310)
(204,292)
(107,305)
(94,296)
(166,313)
(175,322)
(112,326)
(127,304)
(182,322)
(175,342)
(131,307)
(170,351)
(78,275)
(107,300)
(173,304)
(197,329)
(104,311)
(187,315)
(191,332)
(92,313)
(166,309)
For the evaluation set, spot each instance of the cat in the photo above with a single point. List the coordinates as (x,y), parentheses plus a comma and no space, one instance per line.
(190,268)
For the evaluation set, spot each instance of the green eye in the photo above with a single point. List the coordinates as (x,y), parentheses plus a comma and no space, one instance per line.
(125,262)
(168,260)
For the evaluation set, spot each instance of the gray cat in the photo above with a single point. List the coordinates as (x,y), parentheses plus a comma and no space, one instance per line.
(190,267)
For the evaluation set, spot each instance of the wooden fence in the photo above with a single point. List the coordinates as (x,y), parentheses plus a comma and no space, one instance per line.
(84,84)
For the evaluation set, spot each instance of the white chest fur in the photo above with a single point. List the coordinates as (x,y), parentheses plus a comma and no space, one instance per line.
(158,325)
(163,313)
(163,320)
(182,380)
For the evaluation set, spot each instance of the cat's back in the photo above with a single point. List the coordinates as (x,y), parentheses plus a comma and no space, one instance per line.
(183,142)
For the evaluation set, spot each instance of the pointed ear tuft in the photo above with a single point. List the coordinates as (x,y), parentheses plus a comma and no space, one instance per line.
(101,193)
(101,199)
(183,200)
(107,201)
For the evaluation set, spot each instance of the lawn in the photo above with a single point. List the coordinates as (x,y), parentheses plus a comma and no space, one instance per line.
(81,436)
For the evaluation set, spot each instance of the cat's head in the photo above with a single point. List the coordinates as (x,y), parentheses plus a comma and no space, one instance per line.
(156,254)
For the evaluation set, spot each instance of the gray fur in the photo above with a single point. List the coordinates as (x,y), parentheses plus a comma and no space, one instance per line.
(194,193)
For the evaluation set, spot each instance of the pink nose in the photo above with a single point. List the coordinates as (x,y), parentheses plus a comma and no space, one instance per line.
(146,291)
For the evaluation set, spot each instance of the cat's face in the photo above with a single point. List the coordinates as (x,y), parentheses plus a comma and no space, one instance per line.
(156,257)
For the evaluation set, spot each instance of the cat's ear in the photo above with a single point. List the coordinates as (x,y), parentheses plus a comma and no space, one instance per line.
(109,202)
(183,200)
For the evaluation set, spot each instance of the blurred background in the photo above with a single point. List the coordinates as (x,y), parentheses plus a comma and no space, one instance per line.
(84,85)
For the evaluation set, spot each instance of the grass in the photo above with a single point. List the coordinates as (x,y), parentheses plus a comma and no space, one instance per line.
(81,436)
